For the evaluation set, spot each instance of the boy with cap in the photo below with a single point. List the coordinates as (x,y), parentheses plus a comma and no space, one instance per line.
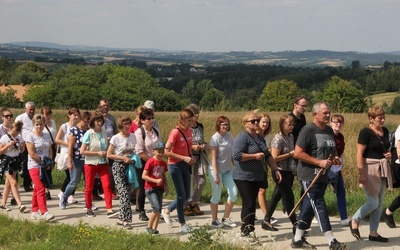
(155,185)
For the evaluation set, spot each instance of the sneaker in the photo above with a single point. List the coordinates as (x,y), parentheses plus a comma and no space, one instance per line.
(60,195)
(127,226)
(63,205)
(166,217)
(112,214)
(71,200)
(344,222)
(13,202)
(4,208)
(22,208)
(143,216)
(273,220)
(228,222)
(90,214)
(302,244)
(156,232)
(188,211)
(48,195)
(94,208)
(336,245)
(185,229)
(388,219)
(196,209)
(148,230)
(35,216)
(216,224)
(47,216)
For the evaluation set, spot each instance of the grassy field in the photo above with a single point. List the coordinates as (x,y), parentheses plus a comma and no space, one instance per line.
(388,97)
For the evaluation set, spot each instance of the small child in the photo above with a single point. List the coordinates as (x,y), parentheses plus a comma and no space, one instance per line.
(155,185)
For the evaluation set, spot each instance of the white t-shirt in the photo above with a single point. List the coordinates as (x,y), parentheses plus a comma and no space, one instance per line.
(224,153)
(27,126)
(123,145)
(12,151)
(66,129)
(41,145)
(52,129)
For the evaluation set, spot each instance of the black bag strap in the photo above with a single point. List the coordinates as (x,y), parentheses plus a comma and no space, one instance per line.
(51,137)
(187,144)
(144,132)
(12,139)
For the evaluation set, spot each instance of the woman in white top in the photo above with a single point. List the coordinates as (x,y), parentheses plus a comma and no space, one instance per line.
(38,145)
(11,145)
(122,146)
(62,141)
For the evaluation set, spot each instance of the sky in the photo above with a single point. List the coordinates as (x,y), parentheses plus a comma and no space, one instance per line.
(206,25)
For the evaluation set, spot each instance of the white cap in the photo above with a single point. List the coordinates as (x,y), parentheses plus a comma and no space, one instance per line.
(149,104)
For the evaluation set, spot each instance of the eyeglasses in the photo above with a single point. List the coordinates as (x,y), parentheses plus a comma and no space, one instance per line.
(8,116)
(303,105)
(126,123)
(224,124)
(150,118)
(253,121)
(290,124)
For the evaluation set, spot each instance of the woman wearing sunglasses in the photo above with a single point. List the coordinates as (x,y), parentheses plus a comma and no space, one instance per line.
(251,156)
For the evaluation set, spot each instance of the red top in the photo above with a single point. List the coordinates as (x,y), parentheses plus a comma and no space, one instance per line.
(156,170)
(133,127)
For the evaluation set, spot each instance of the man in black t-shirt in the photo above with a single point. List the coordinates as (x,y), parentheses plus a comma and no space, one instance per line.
(299,108)
(316,151)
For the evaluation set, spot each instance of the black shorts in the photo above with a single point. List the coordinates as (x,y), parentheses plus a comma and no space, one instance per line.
(264,183)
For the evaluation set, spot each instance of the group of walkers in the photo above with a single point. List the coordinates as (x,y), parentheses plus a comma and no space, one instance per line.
(118,156)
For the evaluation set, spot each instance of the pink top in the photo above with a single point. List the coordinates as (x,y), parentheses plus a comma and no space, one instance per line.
(133,127)
(180,145)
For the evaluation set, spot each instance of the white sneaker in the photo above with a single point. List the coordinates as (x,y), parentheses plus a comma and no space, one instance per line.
(60,195)
(71,200)
(167,217)
(216,224)
(228,222)
(47,216)
(94,208)
(35,216)
(345,222)
(185,229)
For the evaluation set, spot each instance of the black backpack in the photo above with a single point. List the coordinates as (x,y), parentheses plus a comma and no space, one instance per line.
(144,132)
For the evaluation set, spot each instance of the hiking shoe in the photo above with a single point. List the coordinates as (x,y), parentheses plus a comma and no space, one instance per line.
(302,244)
(22,208)
(196,209)
(228,222)
(388,219)
(90,214)
(94,208)
(148,230)
(35,216)
(188,211)
(63,205)
(112,214)
(71,200)
(143,216)
(13,202)
(185,229)
(4,208)
(166,217)
(47,216)
(216,224)
(336,245)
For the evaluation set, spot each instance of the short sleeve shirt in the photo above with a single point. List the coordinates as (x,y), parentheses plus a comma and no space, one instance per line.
(86,140)
(78,134)
(285,144)
(224,144)
(373,141)
(156,170)
(180,144)
(146,145)
(124,146)
(41,146)
(318,143)
(12,151)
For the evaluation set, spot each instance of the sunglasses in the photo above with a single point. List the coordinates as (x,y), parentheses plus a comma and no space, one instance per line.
(150,118)
(253,121)
(8,116)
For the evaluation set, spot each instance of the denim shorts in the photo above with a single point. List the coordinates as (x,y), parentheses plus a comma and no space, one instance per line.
(155,197)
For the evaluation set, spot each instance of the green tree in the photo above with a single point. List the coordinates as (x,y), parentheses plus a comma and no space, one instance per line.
(28,73)
(342,96)
(8,99)
(395,108)
(212,100)
(278,96)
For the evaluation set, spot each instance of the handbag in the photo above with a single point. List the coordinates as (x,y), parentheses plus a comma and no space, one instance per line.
(61,161)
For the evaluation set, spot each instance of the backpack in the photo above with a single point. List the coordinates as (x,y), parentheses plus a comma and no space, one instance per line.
(144,133)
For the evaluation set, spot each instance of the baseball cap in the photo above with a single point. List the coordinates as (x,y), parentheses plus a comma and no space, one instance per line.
(158,145)
(149,104)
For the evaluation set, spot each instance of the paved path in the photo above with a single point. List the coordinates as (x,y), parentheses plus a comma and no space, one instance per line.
(268,240)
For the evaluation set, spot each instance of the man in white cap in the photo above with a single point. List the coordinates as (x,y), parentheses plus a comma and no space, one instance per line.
(150,105)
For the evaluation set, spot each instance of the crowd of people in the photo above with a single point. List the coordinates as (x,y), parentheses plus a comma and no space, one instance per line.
(123,159)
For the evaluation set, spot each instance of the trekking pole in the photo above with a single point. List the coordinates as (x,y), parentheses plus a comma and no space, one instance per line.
(321,172)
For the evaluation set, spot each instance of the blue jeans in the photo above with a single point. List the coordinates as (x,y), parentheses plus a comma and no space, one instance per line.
(155,196)
(225,179)
(373,207)
(75,173)
(340,192)
(314,205)
(180,175)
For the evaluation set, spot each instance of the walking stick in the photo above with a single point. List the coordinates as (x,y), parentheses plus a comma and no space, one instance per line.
(321,171)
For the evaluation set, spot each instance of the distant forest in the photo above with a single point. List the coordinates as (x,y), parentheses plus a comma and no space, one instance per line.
(127,84)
